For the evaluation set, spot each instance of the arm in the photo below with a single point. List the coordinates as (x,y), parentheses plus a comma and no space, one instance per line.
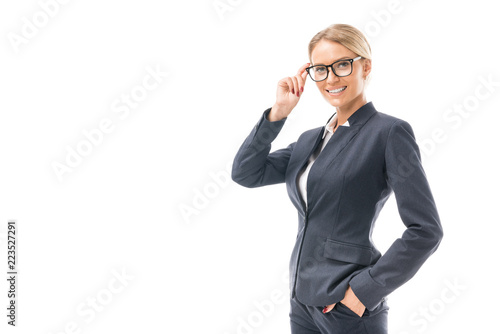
(253,166)
(418,212)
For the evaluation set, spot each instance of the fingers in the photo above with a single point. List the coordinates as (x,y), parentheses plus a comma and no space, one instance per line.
(328,308)
(302,76)
(293,85)
(299,79)
(296,83)
(302,69)
(304,72)
(290,85)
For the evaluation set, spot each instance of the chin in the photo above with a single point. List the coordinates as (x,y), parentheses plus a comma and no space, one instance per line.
(335,102)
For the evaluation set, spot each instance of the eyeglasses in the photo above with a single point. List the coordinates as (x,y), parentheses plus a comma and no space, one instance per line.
(340,68)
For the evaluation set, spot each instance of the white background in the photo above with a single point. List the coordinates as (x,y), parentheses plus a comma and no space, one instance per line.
(211,268)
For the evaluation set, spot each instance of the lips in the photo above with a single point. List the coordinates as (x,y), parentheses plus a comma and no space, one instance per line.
(337,90)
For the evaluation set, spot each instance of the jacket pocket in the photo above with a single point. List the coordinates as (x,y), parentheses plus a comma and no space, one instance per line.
(346,252)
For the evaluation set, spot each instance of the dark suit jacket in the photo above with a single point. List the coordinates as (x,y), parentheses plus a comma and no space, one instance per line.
(347,186)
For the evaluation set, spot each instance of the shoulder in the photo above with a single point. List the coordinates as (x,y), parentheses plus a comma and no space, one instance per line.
(387,124)
(387,121)
(386,131)
(398,136)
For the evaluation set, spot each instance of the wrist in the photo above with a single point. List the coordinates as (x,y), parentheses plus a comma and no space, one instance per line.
(276,114)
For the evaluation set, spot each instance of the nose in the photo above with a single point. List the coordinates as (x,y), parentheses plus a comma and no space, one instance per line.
(331,76)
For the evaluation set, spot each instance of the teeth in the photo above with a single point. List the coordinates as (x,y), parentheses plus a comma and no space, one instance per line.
(337,90)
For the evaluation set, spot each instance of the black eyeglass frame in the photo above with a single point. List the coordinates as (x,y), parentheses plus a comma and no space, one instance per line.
(331,66)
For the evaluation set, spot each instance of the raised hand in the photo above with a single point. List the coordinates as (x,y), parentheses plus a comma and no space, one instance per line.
(288,94)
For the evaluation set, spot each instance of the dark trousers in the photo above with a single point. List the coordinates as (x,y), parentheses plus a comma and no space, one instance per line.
(306,319)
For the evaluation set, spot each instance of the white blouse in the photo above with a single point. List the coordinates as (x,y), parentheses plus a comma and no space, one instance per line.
(327,134)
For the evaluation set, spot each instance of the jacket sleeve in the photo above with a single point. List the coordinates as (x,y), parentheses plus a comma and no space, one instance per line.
(253,166)
(406,177)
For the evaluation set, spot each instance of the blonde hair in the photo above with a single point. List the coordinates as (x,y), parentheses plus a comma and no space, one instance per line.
(346,35)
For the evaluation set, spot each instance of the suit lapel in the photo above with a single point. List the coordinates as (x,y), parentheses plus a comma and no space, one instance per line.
(310,144)
(344,134)
(337,143)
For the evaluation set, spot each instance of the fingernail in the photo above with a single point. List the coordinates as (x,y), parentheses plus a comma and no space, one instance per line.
(293,91)
(325,308)
(302,89)
(297,94)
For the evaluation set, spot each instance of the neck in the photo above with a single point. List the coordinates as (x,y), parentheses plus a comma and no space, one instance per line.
(345,111)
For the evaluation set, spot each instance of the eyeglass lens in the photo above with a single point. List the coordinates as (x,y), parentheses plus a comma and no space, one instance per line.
(341,69)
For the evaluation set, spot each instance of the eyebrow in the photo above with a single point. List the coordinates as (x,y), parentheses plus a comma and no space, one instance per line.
(342,58)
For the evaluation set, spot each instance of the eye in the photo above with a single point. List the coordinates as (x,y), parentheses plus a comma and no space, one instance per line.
(343,64)
(319,69)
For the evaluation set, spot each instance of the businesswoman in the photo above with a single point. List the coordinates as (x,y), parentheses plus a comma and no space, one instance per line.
(339,176)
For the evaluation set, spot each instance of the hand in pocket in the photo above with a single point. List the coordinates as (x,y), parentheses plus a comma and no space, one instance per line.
(353,303)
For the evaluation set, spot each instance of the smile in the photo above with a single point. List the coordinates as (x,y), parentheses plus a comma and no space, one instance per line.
(337,90)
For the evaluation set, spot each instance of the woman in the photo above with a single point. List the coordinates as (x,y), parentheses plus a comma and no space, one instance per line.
(338,177)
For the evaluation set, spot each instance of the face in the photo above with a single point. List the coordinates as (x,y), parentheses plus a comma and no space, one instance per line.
(352,95)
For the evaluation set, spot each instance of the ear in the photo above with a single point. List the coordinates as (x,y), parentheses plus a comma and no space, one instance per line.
(367,67)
